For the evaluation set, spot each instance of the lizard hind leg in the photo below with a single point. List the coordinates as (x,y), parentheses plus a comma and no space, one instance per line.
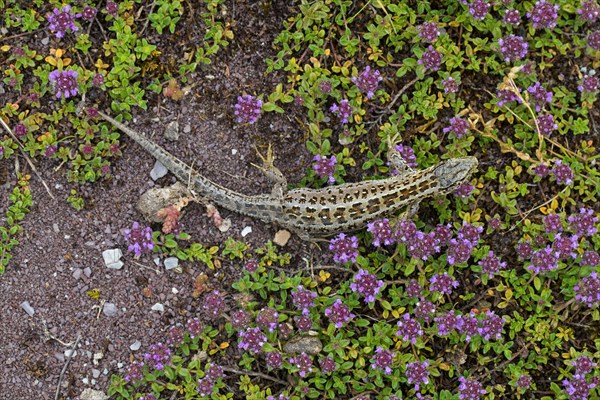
(395,158)
(272,173)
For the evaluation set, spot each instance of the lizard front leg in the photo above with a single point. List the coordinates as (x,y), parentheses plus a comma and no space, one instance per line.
(396,160)
(272,173)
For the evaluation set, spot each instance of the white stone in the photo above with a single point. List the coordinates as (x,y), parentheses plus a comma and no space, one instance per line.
(171,263)
(28,309)
(112,258)
(109,309)
(135,345)
(158,307)
(246,231)
(158,171)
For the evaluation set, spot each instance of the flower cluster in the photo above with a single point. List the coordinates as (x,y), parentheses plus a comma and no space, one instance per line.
(158,356)
(458,126)
(409,329)
(61,20)
(134,372)
(381,231)
(512,17)
(491,264)
(175,336)
(408,155)
(205,385)
(367,81)
(543,260)
(327,365)
(267,318)
(339,313)
(247,109)
(470,389)
(589,11)
(442,283)
(194,327)
(240,319)
(382,360)
(303,362)
(539,95)
(587,290)
(303,299)
(274,360)
(479,9)
(214,305)
(343,110)
(325,167)
(543,15)
(252,339)
(431,59)
(417,373)
(139,239)
(589,84)
(65,83)
(584,222)
(512,48)
(546,124)
(459,251)
(563,173)
(344,248)
(423,245)
(429,32)
(450,85)
(366,284)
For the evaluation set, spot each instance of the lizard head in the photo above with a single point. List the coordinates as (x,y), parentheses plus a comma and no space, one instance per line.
(454,171)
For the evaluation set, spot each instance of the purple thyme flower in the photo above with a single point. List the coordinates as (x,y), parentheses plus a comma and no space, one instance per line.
(442,283)
(366,284)
(205,387)
(252,339)
(424,309)
(491,264)
(591,258)
(134,372)
(464,190)
(469,325)
(240,319)
(584,222)
(543,15)
(303,362)
(267,318)
(479,9)
(512,17)
(247,109)
(589,11)
(565,246)
(286,329)
(583,365)
(158,356)
(541,170)
(408,154)
(429,32)
(98,80)
(417,373)
(524,381)
(303,299)
(539,95)
(343,110)
(524,250)
(413,288)
(328,365)
(149,396)
(280,397)
(20,130)
(175,336)
(450,85)
(593,40)
(506,96)
(89,13)
(139,239)
(213,304)
(546,124)
(214,372)
(578,388)
(589,84)
(563,173)
(470,232)
(587,290)
(491,326)
(443,234)
(458,126)
(409,329)
(64,82)
(459,251)
(447,322)
(194,327)
(339,313)
(381,231)
(344,248)
(112,8)
(325,86)
(382,360)
(325,167)
(470,389)
(513,48)
(274,360)
(303,323)
(543,260)
(61,20)
(404,231)
(431,59)
(553,223)
(367,81)
(423,245)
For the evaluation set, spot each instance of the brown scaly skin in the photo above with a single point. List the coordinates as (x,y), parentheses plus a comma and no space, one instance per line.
(321,212)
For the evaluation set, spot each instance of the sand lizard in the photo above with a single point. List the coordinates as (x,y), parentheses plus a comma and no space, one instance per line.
(321,212)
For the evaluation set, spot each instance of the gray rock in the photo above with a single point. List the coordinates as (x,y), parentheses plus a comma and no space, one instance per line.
(112,258)
(135,345)
(172,131)
(92,394)
(28,309)
(303,344)
(171,263)
(109,309)
(158,171)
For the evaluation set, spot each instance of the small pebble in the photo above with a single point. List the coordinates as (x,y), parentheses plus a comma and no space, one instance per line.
(158,307)
(135,345)
(171,262)
(28,309)
(109,309)
(158,171)
(246,231)
(112,258)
